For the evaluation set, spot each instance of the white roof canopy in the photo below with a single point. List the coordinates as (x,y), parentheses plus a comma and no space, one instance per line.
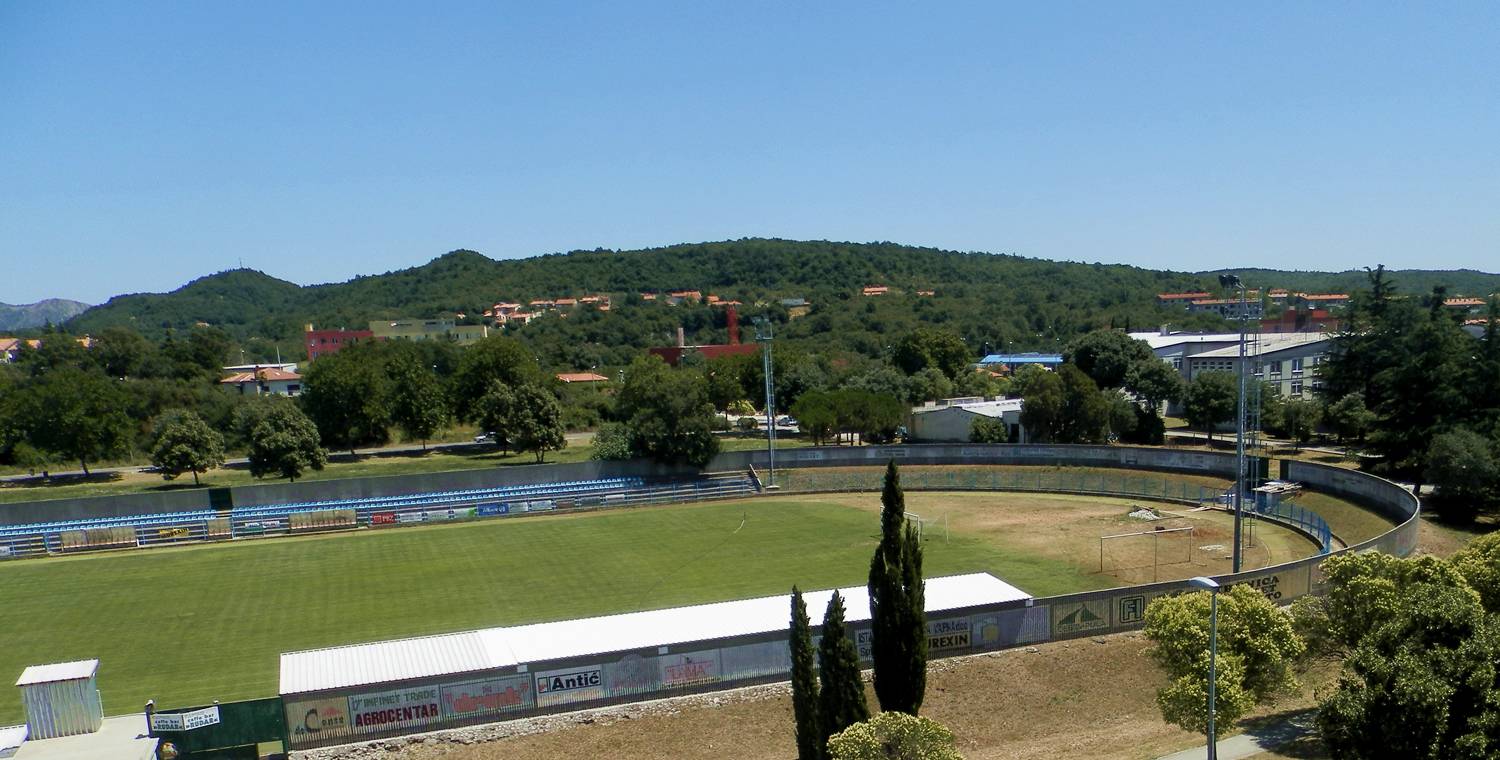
(493,648)
(62,671)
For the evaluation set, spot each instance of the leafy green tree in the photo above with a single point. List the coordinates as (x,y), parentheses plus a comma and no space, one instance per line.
(882,380)
(1300,418)
(841,699)
(1421,684)
(929,384)
(185,443)
(1257,647)
(1463,466)
(535,424)
(872,416)
(894,736)
(1107,356)
(494,412)
(898,610)
(285,442)
(123,352)
(989,430)
(1365,590)
(805,694)
(612,442)
(1348,417)
(1479,564)
(1154,382)
(1042,407)
(667,413)
(347,396)
(817,415)
(418,404)
(495,358)
(1211,399)
(75,415)
(1086,410)
(927,347)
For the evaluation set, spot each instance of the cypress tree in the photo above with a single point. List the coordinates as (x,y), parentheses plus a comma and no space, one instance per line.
(810,736)
(898,617)
(841,702)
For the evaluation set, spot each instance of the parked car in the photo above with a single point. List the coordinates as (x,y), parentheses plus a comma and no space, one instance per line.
(484,438)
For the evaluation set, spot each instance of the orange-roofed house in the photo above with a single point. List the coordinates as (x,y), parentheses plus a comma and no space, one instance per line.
(875,290)
(1181,299)
(680,296)
(581,377)
(568,302)
(265,381)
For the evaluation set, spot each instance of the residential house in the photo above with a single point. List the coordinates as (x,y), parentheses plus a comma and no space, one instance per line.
(1322,300)
(1181,300)
(265,381)
(796,307)
(677,297)
(875,290)
(1014,361)
(581,377)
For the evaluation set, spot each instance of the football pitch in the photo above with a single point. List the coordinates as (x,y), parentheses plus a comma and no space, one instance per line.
(189,625)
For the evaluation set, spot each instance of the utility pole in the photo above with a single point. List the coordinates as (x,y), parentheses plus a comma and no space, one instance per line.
(764,336)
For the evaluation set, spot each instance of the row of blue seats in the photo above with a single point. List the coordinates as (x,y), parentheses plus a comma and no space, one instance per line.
(475,492)
(203,514)
(398,502)
(108,522)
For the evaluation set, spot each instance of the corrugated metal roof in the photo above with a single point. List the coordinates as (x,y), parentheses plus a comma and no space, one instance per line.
(491,648)
(385,661)
(62,671)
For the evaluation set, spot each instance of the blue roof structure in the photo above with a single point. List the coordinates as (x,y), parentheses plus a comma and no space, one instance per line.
(1019,359)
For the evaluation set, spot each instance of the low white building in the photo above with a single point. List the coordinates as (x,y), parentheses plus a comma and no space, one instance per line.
(265,380)
(951,419)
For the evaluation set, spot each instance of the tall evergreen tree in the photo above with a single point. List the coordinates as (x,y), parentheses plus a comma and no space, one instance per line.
(810,736)
(841,699)
(898,618)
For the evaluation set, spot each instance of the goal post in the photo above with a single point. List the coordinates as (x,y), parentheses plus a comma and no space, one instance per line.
(1184,534)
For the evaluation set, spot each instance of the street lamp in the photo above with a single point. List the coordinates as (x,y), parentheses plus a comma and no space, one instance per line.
(1233,281)
(1212,587)
(763,336)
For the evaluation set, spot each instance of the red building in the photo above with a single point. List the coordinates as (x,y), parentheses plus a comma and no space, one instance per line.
(320,342)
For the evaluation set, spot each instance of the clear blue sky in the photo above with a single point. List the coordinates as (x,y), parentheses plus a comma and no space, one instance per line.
(143,144)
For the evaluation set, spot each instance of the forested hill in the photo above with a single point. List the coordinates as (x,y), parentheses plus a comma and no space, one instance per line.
(1409,281)
(51,311)
(1007,302)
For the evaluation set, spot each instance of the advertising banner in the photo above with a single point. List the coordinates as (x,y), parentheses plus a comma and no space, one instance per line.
(383,518)
(308,721)
(770,658)
(678,670)
(948,635)
(208,716)
(559,687)
(492,696)
(1073,618)
(400,709)
(631,674)
(5,551)
(410,517)
(1279,586)
(491,510)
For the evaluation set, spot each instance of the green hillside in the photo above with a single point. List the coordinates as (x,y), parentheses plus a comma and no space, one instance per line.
(1000,302)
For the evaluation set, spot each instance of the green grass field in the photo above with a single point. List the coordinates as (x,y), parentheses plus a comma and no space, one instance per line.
(189,625)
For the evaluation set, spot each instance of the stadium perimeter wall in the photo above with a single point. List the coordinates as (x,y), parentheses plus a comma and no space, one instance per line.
(342,716)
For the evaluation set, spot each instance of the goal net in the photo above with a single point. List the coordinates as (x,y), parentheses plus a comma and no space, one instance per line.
(1146,550)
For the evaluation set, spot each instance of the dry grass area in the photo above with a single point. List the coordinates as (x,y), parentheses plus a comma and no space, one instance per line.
(1021,704)
(1066,528)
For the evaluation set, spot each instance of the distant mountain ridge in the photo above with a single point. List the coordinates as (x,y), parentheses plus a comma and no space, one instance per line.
(1027,301)
(49,311)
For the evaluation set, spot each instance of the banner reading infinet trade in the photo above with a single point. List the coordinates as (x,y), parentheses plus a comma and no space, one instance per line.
(404,709)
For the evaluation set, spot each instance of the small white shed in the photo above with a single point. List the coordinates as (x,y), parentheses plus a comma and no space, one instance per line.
(62,699)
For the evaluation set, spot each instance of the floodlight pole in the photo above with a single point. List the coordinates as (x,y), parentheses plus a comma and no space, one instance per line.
(763,336)
(1212,587)
(1233,281)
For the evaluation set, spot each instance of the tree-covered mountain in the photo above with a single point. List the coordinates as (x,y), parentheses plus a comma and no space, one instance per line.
(1467,282)
(995,302)
(51,311)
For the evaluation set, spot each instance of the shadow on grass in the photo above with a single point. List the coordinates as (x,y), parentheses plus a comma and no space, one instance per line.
(1287,730)
(56,481)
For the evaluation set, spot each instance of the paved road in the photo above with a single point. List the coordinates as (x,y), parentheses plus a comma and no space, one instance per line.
(1254,741)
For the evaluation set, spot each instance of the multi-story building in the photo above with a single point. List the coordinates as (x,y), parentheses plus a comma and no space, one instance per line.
(322,342)
(1229,308)
(427,329)
(1288,360)
(1181,300)
(952,419)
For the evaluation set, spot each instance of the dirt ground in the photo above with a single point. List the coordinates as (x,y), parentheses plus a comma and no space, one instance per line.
(1021,704)
(1067,527)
